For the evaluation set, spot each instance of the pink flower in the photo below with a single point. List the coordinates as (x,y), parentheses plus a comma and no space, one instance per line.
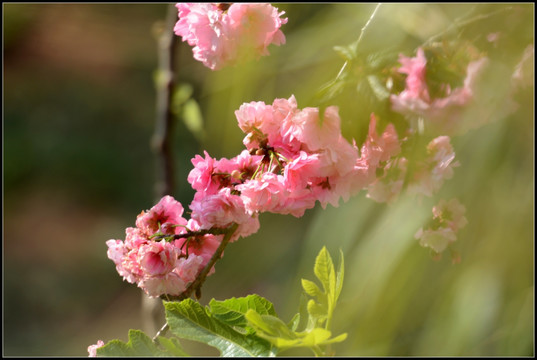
(219,210)
(307,127)
(165,216)
(92,349)
(157,258)
(415,97)
(458,111)
(201,176)
(265,194)
(221,38)
(299,171)
(169,283)
(380,148)
(189,268)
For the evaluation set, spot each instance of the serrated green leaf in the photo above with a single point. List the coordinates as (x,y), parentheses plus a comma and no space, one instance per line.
(115,348)
(189,320)
(269,324)
(139,344)
(311,288)
(172,346)
(323,269)
(232,311)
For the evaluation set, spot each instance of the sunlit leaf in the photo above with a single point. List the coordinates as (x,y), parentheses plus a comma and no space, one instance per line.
(139,344)
(188,319)
(311,288)
(323,267)
(232,311)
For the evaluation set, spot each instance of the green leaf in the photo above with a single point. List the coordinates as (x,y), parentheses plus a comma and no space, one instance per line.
(269,324)
(324,270)
(317,312)
(293,324)
(231,311)
(188,319)
(311,288)
(139,344)
(172,346)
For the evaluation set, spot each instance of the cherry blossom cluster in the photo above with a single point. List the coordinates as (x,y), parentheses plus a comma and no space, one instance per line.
(454,110)
(163,253)
(426,178)
(293,159)
(223,34)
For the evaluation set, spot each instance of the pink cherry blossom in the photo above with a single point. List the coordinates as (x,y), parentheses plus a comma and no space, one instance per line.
(201,176)
(223,209)
(201,25)
(415,97)
(92,349)
(189,268)
(380,148)
(157,258)
(169,283)
(226,37)
(165,216)
(268,193)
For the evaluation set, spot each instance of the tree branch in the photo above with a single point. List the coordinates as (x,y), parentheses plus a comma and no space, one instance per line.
(161,141)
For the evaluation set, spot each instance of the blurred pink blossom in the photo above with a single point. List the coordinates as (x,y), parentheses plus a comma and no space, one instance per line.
(226,37)
(437,167)
(448,219)
(437,239)
(444,114)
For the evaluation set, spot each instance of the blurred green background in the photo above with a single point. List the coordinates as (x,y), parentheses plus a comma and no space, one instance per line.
(78,115)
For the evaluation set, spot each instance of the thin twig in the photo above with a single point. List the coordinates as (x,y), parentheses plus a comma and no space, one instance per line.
(212,231)
(362,32)
(161,141)
(459,23)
